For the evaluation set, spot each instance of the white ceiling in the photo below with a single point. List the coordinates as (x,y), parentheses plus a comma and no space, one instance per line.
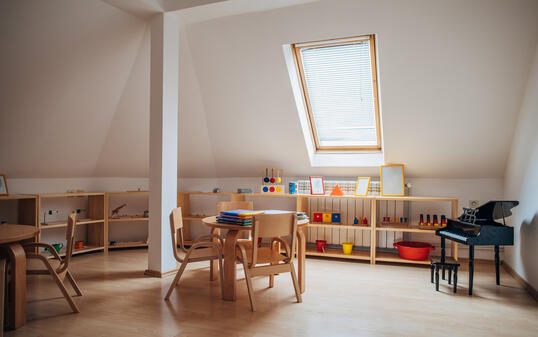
(74,85)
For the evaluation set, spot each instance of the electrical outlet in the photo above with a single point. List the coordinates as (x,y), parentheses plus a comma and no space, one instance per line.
(474,203)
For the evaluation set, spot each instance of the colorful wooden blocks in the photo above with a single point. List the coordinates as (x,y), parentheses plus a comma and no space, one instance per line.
(326,217)
(272,189)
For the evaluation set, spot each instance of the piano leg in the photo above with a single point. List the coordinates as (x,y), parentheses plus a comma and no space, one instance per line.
(455,278)
(497,275)
(443,255)
(471,268)
(437,277)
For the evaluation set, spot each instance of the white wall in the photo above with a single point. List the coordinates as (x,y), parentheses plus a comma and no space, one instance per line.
(521,183)
(74,87)
(448,98)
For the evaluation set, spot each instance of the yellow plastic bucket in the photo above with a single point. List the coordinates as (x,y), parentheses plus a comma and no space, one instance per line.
(347,247)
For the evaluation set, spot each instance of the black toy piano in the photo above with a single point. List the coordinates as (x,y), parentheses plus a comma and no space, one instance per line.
(477,227)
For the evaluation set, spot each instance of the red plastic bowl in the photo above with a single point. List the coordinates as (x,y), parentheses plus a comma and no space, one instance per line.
(412,250)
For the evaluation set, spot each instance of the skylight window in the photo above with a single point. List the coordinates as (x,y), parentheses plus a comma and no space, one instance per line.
(339,84)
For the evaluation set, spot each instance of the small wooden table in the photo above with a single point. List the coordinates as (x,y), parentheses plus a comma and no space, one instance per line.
(230,276)
(10,237)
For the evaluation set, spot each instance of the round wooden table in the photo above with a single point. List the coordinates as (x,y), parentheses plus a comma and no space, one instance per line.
(229,270)
(10,238)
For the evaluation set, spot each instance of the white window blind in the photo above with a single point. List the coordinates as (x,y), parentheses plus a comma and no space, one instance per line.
(340,91)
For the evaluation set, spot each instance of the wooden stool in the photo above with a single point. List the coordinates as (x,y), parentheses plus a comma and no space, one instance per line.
(449,264)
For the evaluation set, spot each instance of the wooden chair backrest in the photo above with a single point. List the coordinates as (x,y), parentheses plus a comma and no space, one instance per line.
(70,241)
(232,205)
(176,230)
(273,225)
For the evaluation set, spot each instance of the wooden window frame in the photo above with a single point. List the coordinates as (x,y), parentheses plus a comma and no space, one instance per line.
(296,50)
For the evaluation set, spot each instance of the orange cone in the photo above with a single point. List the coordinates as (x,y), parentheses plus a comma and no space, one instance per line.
(337,191)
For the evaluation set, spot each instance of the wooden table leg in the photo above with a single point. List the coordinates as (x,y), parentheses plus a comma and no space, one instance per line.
(230,277)
(214,264)
(301,257)
(17,287)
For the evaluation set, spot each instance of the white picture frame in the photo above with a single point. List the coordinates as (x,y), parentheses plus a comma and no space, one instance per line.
(392,180)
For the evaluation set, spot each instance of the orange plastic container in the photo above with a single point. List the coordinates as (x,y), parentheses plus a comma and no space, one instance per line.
(413,250)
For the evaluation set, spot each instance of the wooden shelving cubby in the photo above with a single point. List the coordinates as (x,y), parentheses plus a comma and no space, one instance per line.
(91,220)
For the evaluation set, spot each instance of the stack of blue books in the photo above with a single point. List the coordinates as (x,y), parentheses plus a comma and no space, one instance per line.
(240,217)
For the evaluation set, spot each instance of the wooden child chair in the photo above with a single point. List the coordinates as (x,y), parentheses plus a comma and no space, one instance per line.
(202,249)
(62,271)
(275,227)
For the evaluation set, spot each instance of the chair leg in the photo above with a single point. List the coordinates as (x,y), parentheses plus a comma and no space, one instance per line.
(176,279)
(211,270)
(221,274)
(271,280)
(2,292)
(64,291)
(73,283)
(432,268)
(249,285)
(295,283)
(449,275)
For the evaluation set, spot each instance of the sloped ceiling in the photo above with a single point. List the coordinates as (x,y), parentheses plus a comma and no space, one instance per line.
(65,65)
(74,87)
(452,74)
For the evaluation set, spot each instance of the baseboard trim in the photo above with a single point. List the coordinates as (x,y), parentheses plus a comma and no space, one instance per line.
(528,288)
(154,273)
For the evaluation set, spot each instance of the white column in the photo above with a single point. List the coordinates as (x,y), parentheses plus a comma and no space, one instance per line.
(164,78)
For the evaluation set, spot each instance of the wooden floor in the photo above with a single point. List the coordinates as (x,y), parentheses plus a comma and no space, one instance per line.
(342,299)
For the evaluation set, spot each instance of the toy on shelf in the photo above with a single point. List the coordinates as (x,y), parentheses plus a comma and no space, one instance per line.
(116,211)
(272,189)
(429,224)
(335,217)
(49,212)
(269,185)
(326,217)
(278,179)
(356,221)
(293,187)
(337,191)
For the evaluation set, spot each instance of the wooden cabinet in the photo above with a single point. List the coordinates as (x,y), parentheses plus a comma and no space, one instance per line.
(128,229)
(91,226)
(349,208)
